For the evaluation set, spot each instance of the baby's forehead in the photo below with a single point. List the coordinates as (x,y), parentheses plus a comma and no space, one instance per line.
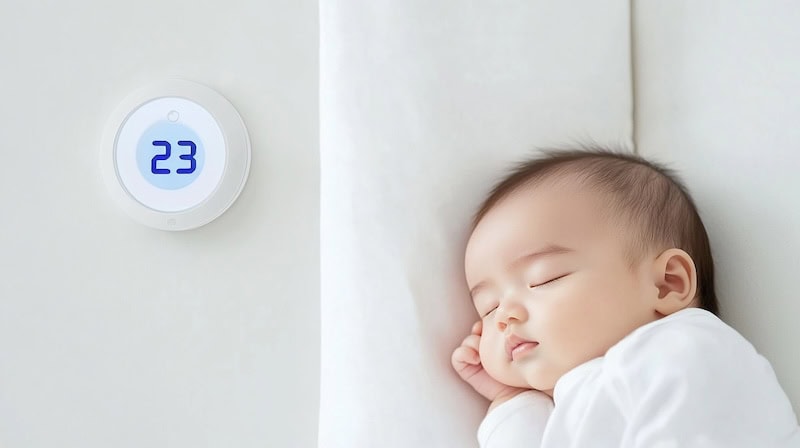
(569,196)
(565,210)
(566,215)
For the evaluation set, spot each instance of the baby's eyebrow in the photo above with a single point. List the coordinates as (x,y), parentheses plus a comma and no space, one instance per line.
(549,249)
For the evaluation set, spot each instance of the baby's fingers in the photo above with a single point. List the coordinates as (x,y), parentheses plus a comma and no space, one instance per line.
(472,341)
(477,327)
(464,355)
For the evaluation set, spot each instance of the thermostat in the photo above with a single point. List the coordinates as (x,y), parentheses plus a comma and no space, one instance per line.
(175,155)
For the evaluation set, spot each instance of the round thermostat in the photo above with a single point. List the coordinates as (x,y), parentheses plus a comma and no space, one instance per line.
(175,155)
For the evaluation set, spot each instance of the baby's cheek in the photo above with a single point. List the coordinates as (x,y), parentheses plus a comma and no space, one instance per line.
(487,352)
(493,359)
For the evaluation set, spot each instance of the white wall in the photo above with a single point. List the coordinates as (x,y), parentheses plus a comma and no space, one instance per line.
(718,98)
(116,335)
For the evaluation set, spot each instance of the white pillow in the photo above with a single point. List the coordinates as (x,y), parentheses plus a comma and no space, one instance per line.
(423,106)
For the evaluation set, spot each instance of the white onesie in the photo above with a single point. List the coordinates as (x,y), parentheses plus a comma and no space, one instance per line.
(687,380)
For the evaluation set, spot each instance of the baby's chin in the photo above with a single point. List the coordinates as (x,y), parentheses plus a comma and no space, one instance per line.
(545,385)
(530,381)
(507,375)
(526,375)
(540,379)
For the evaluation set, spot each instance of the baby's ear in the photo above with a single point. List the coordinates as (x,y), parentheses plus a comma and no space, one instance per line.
(676,280)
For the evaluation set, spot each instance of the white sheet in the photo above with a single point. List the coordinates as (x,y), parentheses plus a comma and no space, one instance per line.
(423,104)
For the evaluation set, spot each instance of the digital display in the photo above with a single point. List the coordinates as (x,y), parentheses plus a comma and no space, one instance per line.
(170,155)
(175,154)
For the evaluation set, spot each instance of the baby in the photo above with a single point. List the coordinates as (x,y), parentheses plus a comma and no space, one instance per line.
(593,278)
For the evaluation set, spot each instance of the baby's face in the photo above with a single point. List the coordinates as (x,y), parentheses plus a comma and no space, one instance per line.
(544,267)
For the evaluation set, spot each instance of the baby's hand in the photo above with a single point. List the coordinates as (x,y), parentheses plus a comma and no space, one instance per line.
(467,362)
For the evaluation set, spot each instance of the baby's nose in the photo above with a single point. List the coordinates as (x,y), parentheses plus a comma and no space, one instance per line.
(510,312)
(502,325)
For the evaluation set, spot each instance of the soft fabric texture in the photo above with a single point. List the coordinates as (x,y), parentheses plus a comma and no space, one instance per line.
(687,380)
(423,106)
(520,421)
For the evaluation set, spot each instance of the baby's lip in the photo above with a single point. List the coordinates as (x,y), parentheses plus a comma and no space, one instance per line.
(513,341)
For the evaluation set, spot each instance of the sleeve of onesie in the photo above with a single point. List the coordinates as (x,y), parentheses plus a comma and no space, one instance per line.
(517,423)
(699,385)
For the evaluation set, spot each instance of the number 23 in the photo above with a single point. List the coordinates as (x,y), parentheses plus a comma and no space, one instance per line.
(168,151)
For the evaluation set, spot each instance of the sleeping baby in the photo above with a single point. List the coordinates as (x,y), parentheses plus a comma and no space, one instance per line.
(593,278)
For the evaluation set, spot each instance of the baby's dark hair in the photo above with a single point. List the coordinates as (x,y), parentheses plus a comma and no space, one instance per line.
(645,194)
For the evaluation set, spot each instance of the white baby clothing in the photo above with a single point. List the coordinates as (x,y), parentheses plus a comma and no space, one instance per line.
(687,380)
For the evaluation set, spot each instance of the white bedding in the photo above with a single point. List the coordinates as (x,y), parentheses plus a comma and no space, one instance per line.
(423,104)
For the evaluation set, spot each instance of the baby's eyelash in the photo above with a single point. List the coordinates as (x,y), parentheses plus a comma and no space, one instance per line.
(531,286)
(549,281)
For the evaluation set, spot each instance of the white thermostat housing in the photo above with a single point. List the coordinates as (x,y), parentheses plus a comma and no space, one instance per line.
(175,155)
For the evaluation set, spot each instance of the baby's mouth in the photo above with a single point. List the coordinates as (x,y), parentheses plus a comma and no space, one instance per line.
(517,347)
(523,349)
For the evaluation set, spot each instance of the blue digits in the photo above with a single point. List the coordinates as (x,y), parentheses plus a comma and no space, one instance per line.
(189,157)
(166,155)
(154,161)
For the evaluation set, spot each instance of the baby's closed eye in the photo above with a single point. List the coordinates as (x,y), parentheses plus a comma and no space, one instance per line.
(490,311)
(547,282)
